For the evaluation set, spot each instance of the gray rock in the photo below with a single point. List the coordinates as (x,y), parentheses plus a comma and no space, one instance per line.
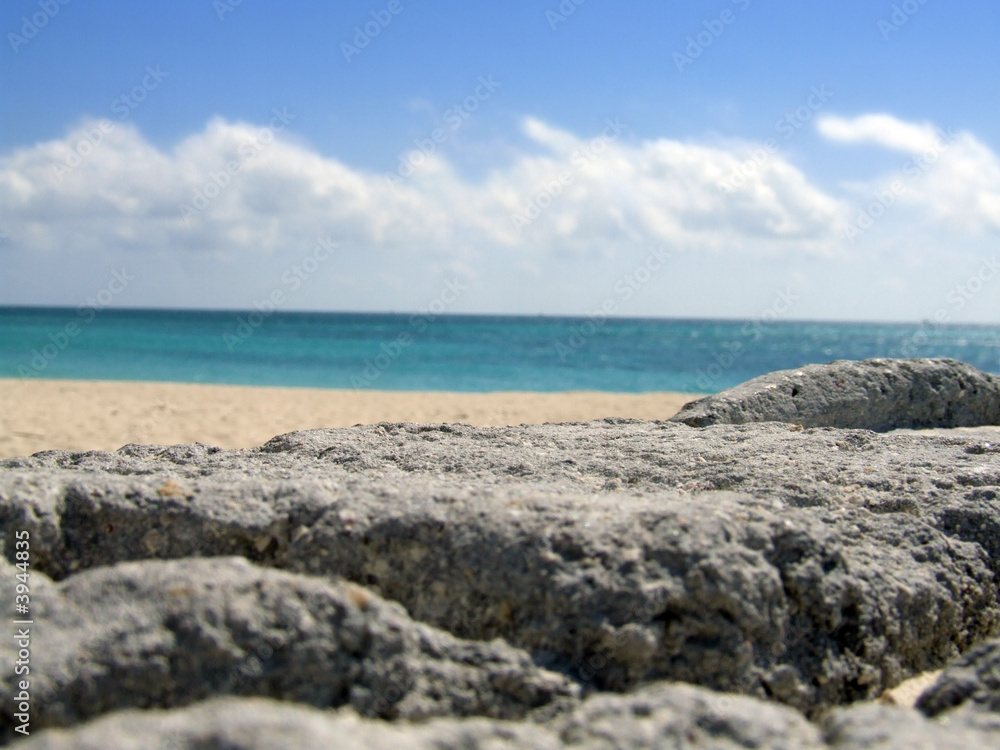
(972,680)
(674,716)
(847,561)
(680,716)
(659,716)
(876,727)
(873,394)
(169,633)
(262,724)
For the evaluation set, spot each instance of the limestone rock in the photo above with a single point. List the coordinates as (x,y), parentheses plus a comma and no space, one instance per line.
(192,597)
(879,727)
(972,680)
(162,634)
(845,563)
(674,716)
(873,394)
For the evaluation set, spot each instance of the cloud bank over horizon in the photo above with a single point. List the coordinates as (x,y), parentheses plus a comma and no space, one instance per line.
(236,193)
(845,155)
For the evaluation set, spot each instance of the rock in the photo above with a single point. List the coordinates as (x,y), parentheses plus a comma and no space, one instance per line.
(873,394)
(880,727)
(972,680)
(262,724)
(659,716)
(170,633)
(681,716)
(675,716)
(841,562)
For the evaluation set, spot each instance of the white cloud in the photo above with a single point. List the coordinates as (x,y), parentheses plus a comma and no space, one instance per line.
(880,129)
(217,218)
(950,178)
(230,188)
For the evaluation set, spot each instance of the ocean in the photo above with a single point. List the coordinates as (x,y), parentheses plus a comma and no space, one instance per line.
(472,353)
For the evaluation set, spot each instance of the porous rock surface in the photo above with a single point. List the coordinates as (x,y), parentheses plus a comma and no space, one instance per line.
(800,570)
(846,562)
(873,394)
(673,716)
(972,681)
(170,633)
(877,727)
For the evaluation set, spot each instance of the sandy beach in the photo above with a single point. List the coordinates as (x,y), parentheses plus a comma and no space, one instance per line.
(40,415)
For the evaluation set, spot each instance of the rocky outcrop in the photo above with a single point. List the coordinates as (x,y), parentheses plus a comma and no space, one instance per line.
(842,563)
(877,727)
(561,583)
(673,716)
(171,633)
(873,394)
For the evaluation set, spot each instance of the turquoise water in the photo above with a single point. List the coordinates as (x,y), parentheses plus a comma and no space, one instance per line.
(453,352)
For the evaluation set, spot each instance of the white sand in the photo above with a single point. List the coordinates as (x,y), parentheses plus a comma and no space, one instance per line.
(907,692)
(38,415)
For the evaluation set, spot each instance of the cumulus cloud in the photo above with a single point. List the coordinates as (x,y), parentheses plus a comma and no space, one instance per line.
(949,176)
(235,187)
(665,191)
(238,190)
(881,129)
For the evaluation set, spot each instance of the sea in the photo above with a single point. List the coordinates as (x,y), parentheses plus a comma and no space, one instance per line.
(470,353)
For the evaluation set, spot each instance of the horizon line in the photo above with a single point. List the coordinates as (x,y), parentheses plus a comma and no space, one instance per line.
(573,316)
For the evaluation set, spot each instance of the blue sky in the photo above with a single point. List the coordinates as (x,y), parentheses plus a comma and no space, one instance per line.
(710,156)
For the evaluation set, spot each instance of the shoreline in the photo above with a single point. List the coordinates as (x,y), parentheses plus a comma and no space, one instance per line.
(81,415)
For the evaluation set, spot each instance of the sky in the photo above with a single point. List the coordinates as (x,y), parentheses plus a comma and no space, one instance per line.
(829,160)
